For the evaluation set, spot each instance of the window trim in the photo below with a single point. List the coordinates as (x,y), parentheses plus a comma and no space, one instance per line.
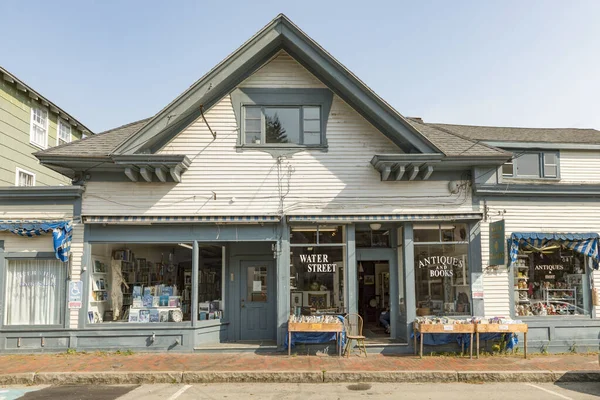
(281,97)
(18,171)
(301,131)
(541,163)
(60,123)
(32,123)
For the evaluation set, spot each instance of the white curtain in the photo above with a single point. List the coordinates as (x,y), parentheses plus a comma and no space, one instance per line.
(35,291)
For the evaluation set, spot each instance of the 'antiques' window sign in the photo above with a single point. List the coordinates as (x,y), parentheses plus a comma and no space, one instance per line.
(317,263)
(441,266)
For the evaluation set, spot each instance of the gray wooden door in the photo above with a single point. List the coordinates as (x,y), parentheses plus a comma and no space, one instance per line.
(257,301)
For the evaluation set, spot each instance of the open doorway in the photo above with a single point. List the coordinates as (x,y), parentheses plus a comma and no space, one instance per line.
(374,298)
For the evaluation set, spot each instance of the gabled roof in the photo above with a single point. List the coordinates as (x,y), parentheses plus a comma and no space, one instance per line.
(7,76)
(279,34)
(509,134)
(453,144)
(99,145)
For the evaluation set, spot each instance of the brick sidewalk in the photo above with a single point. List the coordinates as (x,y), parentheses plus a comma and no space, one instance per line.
(274,362)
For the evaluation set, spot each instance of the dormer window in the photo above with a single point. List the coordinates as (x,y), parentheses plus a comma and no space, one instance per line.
(287,125)
(276,118)
(532,165)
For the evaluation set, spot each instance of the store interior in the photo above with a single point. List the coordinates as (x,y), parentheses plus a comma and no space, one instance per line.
(374,298)
(152,283)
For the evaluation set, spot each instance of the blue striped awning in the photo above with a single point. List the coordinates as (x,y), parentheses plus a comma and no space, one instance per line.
(151,219)
(582,243)
(62,232)
(382,218)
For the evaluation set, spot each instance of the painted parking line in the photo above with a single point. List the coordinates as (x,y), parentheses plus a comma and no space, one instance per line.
(179,392)
(549,391)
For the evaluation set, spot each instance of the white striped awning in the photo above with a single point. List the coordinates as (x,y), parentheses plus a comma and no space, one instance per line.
(143,220)
(383,218)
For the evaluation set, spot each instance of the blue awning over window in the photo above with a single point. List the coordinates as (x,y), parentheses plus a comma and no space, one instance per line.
(62,232)
(582,243)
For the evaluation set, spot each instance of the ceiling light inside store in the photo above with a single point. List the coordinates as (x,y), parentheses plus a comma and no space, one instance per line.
(187,246)
(375,226)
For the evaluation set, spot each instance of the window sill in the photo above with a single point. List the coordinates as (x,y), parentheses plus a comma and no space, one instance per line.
(528,179)
(281,147)
(39,146)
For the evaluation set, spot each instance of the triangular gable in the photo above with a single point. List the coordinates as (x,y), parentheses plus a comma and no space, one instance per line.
(279,34)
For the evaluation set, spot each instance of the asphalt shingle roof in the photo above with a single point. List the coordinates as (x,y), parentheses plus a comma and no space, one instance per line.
(547,135)
(454,145)
(99,145)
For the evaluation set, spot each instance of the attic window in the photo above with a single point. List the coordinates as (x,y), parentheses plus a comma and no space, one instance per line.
(274,125)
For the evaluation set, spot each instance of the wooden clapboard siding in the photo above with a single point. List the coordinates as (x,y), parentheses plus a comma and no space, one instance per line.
(282,71)
(18,244)
(15,148)
(249,182)
(580,166)
(533,215)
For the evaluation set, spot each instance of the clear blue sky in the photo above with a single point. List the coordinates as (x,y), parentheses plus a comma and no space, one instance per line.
(509,63)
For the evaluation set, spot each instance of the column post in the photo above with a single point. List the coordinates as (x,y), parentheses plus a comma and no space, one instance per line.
(283,281)
(409,276)
(351,272)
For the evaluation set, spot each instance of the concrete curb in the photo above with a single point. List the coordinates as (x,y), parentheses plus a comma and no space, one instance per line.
(505,376)
(253,376)
(106,378)
(390,376)
(115,378)
(26,378)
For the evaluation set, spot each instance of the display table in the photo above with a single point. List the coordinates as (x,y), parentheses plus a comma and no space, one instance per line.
(502,328)
(445,329)
(338,328)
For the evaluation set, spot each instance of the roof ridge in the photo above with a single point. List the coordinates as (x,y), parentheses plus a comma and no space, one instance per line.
(437,124)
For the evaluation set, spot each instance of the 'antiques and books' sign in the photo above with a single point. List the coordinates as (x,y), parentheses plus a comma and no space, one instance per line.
(441,266)
(497,243)
(317,263)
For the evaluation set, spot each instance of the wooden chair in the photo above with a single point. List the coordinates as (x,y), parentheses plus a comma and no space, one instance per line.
(353,325)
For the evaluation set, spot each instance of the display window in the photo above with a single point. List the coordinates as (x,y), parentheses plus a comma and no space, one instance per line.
(550,281)
(442,278)
(317,271)
(35,292)
(152,283)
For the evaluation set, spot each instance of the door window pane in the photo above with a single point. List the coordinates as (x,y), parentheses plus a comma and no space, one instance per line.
(282,125)
(256,282)
(528,165)
(35,292)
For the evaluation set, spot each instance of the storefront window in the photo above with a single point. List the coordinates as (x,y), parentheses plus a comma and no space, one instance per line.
(140,283)
(35,292)
(317,271)
(442,283)
(550,281)
(210,281)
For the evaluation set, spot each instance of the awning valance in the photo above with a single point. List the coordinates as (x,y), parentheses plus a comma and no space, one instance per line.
(382,218)
(582,243)
(62,232)
(155,219)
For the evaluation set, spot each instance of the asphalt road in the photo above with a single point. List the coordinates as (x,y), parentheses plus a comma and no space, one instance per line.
(450,391)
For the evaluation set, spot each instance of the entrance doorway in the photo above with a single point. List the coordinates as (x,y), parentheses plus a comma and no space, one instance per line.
(374,298)
(257,300)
